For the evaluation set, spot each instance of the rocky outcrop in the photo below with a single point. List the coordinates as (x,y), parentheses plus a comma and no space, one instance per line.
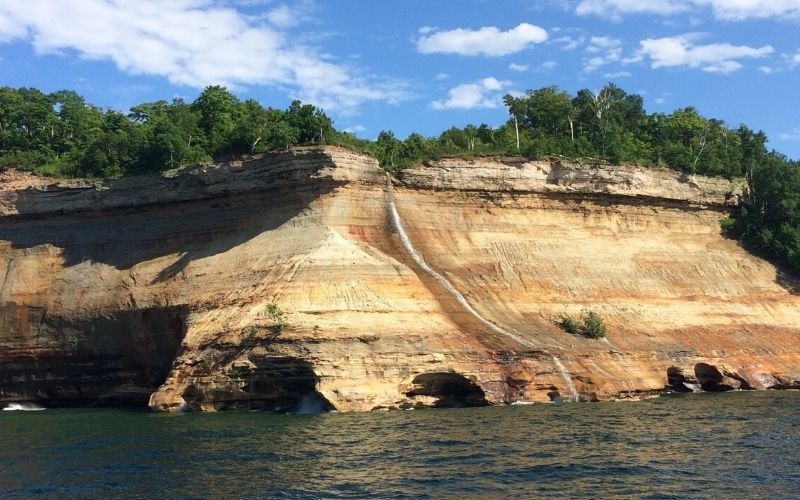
(515,175)
(169,290)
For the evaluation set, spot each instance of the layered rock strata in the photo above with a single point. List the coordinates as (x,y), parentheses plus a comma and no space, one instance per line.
(282,282)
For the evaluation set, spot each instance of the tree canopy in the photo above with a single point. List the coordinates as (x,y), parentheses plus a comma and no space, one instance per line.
(60,134)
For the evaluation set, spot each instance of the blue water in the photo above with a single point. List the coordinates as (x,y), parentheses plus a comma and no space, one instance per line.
(734,445)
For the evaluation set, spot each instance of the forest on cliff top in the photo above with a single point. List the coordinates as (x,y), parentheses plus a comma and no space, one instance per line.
(59,134)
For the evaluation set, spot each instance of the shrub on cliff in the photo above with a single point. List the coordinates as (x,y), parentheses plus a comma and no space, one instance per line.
(276,314)
(568,324)
(591,325)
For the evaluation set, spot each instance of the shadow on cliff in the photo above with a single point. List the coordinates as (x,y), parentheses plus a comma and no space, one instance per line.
(265,382)
(788,281)
(112,360)
(191,229)
(784,277)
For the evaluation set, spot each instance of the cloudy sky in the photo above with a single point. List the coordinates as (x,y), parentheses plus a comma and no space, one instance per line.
(416,65)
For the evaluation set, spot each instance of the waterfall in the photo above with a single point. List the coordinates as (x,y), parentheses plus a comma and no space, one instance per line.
(417,257)
(573,396)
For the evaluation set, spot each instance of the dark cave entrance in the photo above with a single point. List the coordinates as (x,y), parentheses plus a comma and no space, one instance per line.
(282,384)
(451,390)
(710,378)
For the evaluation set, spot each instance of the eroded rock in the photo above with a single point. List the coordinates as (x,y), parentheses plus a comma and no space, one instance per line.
(712,379)
(160,284)
(679,381)
(448,390)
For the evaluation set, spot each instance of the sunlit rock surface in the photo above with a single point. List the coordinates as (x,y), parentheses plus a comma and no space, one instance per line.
(155,289)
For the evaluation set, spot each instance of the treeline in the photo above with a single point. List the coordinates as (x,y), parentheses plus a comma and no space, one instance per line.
(606,126)
(60,134)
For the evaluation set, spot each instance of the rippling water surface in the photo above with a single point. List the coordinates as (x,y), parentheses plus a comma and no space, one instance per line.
(740,445)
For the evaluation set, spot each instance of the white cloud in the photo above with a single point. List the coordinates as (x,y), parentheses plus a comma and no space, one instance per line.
(481,94)
(601,50)
(617,74)
(282,16)
(729,10)
(796,58)
(615,9)
(767,70)
(548,65)
(712,58)
(193,43)
(739,10)
(568,43)
(519,68)
(441,76)
(493,83)
(794,135)
(355,129)
(487,41)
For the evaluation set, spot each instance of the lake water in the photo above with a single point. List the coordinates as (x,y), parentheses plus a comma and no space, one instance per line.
(734,445)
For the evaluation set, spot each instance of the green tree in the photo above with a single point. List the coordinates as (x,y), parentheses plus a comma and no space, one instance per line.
(516,108)
(312,124)
(217,109)
(388,150)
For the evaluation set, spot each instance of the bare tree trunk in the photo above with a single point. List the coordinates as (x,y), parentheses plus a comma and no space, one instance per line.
(571,129)
(516,129)
(702,147)
(253,146)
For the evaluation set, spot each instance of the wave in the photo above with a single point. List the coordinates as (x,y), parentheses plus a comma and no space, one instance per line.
(23,407)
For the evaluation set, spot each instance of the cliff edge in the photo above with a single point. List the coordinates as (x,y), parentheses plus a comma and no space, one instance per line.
(306,281)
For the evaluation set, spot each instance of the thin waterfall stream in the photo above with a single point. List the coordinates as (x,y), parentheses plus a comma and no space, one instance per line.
(414,253)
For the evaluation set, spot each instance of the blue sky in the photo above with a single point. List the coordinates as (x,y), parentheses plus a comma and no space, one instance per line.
(416,65)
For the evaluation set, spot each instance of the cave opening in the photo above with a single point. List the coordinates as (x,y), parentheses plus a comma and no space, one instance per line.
(710,378)
(678,381)
(282,384)
(450,389)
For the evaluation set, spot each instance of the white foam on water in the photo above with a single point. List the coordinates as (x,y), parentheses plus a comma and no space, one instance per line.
(311,404)
(414,253)
(23,407)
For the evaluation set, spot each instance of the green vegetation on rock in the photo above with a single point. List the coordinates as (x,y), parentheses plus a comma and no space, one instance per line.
(568,324)
(591,325)
(277,316)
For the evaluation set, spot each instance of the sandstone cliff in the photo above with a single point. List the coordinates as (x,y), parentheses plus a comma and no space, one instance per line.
(441,290)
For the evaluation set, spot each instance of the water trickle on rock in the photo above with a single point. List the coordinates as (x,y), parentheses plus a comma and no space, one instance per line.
(420,261)
(573,396)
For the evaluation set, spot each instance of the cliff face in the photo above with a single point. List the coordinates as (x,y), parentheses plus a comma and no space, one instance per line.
(443,290)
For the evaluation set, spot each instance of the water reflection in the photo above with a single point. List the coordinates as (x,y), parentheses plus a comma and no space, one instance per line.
(742,444)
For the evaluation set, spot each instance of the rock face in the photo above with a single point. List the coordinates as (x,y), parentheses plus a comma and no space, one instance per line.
(282,282)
